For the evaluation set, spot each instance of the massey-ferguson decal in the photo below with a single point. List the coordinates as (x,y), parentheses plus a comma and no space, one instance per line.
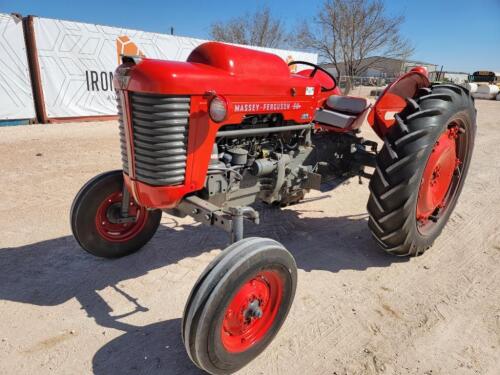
(266,107)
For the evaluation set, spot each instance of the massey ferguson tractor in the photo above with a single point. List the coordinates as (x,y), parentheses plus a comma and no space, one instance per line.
(231,126)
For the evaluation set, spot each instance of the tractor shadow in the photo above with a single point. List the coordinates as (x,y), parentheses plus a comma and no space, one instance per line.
(323,243)
(51,272)
(152,349)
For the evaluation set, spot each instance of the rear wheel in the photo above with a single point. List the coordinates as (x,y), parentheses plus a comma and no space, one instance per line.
(96,213)
(238,305)
(421,169)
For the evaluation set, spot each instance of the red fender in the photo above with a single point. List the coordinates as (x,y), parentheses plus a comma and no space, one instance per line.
(393,99)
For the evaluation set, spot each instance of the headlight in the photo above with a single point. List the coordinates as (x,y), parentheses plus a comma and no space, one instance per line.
(218,109)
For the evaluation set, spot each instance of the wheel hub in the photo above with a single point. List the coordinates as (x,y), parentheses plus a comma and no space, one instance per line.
(438,175)
(111,227)
(251,312)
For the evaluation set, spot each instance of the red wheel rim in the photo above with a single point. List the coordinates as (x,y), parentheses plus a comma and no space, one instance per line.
(252,311)
(119,232)
(438,176)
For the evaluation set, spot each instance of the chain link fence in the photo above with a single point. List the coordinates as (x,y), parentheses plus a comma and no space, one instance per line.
(364,86)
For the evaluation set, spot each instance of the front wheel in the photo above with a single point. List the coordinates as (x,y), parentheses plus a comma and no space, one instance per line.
(421,169)
(238,305)
(95,218)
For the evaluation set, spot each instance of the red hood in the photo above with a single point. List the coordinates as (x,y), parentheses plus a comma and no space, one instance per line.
(225,69)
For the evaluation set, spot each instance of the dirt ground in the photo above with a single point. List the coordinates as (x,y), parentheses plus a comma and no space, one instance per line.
(357,310)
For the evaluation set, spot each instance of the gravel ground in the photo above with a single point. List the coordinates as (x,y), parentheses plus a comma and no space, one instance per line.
(357,310)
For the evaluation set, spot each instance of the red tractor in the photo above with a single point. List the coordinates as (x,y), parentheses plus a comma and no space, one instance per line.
(231,126)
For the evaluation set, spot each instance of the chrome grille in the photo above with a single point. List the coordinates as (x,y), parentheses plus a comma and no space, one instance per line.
(123,141)
(159,127)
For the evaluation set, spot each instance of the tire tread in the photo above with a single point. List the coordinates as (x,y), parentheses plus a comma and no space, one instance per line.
(396,179)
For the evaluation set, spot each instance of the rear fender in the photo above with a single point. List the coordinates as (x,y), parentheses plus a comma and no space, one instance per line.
(393,99)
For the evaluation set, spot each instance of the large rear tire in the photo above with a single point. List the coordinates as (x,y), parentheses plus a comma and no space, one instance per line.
(238,305)
(421,169)
(93,222)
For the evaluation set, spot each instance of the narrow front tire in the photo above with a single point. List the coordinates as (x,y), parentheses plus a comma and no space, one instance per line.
(95,217)
(238,305)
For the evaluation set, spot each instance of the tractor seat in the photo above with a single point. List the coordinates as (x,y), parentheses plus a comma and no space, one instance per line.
(343,111)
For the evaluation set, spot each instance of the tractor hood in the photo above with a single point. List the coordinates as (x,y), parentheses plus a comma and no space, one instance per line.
(220,68)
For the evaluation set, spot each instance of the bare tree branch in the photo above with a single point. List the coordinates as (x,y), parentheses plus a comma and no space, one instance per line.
(257,29)
(347,32)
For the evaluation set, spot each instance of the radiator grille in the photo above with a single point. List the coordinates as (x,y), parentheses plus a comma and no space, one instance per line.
(123,141)
(159,126)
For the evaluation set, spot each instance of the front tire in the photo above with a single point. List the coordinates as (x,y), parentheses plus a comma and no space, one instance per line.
(238,305)
(93,222)
(421,169)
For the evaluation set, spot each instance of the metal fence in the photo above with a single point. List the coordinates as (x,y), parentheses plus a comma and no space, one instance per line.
(355,81)
(364,86)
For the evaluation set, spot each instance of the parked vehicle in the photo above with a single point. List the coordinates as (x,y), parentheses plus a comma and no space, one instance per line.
(231,126)
(484,85)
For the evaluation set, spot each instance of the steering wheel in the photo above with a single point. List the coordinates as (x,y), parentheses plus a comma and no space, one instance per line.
(313,73)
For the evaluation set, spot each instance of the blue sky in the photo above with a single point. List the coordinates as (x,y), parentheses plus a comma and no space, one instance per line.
(459,34)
